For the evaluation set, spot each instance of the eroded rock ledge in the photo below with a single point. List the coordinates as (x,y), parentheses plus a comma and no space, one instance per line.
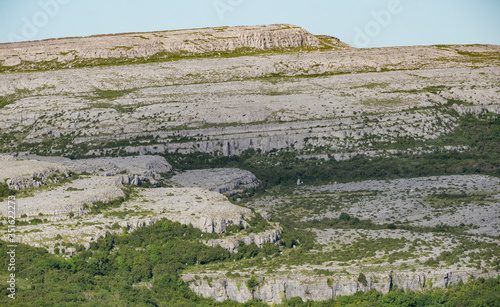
(232,243)
(274,289)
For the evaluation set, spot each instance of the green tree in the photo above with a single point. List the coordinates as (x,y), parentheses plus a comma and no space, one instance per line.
(252,283)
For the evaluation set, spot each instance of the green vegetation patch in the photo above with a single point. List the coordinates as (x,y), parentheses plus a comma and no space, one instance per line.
(72,189)
(112,94)
(374,85)
(445,199)
(8,99)
(5,191)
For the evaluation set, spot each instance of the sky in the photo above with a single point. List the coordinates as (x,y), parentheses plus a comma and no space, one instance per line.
(360,23)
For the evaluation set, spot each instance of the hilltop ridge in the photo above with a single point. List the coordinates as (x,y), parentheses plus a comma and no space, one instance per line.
(154,46)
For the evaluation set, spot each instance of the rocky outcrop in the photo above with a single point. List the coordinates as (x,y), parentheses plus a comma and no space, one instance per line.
(58,212)
(143,46)
(23,174)
(224,105)
(208,211)
(232,243)
(227,181)
(133,224)
(206,224)
(302,134)
(133,170)
(274,289)
(475,110)
(38,178)
(147,165)
(62,200)
(215,224)
(387,198)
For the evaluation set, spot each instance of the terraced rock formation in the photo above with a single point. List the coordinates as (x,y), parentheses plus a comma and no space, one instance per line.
(78,201)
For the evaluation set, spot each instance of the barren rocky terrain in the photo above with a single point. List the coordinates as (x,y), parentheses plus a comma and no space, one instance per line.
(382,162)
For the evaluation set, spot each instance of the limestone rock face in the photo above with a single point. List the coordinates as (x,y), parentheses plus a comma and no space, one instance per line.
(33,171)
(160,44)
(142,165)
(232,243)
(475,110)
(274,289)
(228,105)
(29,173)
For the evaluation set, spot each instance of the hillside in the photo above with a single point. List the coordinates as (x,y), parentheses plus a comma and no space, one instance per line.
(157,46)
(304,167)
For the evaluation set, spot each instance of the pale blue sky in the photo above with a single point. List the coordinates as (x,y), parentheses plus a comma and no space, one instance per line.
(361,23)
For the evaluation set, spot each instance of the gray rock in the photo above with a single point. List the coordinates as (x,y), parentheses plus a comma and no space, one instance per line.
(223,180)
(134,170)
(274,289)
(232,243)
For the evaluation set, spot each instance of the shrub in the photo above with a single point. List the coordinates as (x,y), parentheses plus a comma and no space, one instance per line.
(345,217)
(5,191)
(252,283)
(362,279)
(295,301)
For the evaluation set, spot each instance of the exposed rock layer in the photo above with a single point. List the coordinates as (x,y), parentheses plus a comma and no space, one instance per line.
(232,243)
(274,289)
